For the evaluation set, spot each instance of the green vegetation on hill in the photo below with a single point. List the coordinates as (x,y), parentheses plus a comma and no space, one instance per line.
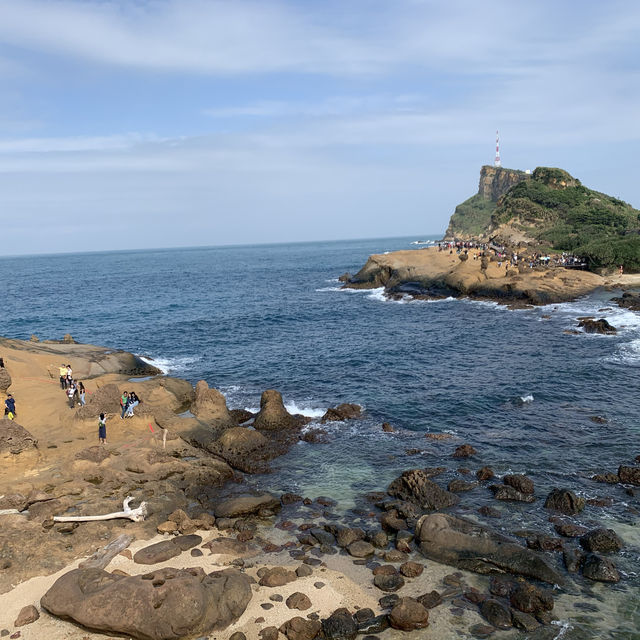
(558,211)
(472,217)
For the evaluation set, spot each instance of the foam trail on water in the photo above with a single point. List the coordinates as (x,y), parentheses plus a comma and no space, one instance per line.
(526,399)
(170,365)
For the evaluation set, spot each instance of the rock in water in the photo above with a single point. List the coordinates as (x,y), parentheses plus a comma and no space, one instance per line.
(166,605)
(606,540)
(408,615)
(629,475)
(415,486)
(344,411)
(597,326)
(461,543)
(272,413)
(598,568)
(564,501)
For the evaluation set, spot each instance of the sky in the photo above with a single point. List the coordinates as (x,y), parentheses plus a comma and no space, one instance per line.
(158,123)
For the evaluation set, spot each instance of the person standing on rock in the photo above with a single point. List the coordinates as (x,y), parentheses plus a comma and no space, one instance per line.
(63,376)
(124,403)
(69,375)
(70,393)
(102,429)
(81,392)
(10,407)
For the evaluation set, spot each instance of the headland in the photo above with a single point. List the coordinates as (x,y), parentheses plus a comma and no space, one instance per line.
(523,238)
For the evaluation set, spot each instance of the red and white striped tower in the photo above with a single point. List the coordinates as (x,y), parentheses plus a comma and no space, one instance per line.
(497,162)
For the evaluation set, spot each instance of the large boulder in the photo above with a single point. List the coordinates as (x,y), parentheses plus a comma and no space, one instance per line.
(105,400)
(467,545)
(166,605)
(606,540)
(246,504)
(629,475)
(15,439)
(564,501)
(246,449)
(273,414)
(211,406)
(416,487)
(5,380)
(600,569)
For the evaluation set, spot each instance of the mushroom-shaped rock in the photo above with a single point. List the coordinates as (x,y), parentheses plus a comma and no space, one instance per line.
(273,414)
(211,406)
(166,605)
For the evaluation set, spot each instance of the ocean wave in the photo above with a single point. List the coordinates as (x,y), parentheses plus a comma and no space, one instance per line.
(171,365)
(293,408)
(526,399)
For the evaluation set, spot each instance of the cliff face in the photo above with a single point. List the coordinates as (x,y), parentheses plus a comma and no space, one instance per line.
(496,181)
(472,218)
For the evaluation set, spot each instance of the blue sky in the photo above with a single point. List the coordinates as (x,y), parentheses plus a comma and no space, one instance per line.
(134,124)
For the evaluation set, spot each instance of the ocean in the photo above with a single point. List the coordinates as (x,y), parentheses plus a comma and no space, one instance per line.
(513,384)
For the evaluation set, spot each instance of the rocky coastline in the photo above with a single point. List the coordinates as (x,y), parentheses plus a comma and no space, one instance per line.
(428,273)
(259,564)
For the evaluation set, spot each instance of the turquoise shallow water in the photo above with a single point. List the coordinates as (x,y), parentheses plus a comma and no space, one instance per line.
(250,318)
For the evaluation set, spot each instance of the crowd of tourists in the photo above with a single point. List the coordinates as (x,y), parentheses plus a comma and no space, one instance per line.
(513,258)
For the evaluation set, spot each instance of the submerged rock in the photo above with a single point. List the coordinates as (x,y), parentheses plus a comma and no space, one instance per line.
(166,605)
(409,615)
(520,482)
(461,543)
(506,492)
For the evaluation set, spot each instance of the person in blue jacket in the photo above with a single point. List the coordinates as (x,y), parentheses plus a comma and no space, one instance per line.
(10,407)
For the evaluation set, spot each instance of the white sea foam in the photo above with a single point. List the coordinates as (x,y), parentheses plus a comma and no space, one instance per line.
(564,627)
(171,365)
(526,399)
(329,289)
(310,412)
(377,294)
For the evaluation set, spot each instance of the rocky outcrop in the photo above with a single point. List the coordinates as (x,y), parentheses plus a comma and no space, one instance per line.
(5,380)
(589,325)
(105,400)
(246,449)
(273,414)
(496,181)
(15,439)
(211,406)
(166,605)
(416,487)
(343,411)
(461,543)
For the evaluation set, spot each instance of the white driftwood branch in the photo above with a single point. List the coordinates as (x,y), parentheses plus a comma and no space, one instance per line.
(137,514)
(102,557)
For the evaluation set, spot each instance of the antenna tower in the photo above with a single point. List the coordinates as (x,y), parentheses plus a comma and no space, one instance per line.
(497,162)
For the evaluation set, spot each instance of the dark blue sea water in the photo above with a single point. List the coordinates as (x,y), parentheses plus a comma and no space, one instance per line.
(511,383)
